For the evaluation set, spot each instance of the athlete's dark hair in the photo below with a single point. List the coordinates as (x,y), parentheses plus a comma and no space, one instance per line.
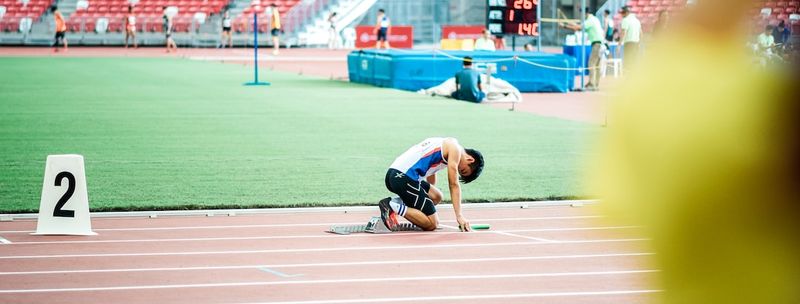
(467,61)
(53,9)
(477,166)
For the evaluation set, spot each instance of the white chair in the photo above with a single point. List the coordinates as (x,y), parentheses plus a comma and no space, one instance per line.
(82,5)
(101,26)
(200,18)
(172,11)
(765,12)
(609,60)
(615,63)
(25,25)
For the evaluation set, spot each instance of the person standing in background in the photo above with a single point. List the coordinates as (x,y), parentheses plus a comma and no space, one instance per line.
(608,25)
(333,34)
(382,30)
(167,26)
(630,34)
(661,23)
(275,23)
(130,27)
(594,33)
(226,30)
(61,29)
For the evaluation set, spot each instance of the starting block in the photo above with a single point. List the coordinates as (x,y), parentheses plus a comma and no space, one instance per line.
(375,225)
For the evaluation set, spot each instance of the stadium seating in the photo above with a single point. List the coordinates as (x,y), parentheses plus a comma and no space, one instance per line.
(148,14)
(647,10)
(244,21)
(772,12)
(16,11)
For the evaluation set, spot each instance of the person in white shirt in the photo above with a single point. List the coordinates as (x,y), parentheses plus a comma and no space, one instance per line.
(334,41)
(382,30)
(226,30)
(630,33)
(485,43)
(130,27)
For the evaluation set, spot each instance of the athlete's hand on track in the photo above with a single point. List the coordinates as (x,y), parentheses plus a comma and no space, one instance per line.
(463,224)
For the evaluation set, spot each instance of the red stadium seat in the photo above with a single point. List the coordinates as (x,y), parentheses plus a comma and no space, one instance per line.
(114,26)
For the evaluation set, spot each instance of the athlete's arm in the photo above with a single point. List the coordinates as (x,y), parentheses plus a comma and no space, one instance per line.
(453,150)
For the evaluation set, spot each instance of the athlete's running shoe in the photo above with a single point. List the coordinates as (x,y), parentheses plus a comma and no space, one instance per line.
(388,215)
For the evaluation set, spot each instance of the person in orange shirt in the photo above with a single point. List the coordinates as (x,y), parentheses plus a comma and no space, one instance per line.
(61,28)
(130,27)
(275,23)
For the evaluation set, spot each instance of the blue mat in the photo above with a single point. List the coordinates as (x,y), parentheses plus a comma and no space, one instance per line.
(414,70)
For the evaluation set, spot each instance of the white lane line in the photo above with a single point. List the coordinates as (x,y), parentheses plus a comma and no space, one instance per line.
(315,224)
(478,296)
(338,281)
(322,235)
(524,237)
(336,264)
(325,249)
(506,233)
(4,241)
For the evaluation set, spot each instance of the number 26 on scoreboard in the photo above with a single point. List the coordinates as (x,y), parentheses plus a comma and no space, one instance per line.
(525,4)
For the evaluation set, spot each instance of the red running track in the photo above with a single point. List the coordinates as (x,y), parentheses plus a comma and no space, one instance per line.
(546,254)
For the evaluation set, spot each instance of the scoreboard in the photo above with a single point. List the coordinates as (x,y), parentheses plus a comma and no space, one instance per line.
(512,17)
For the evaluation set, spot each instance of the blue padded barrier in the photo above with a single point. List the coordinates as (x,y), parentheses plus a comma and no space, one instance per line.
(414,70)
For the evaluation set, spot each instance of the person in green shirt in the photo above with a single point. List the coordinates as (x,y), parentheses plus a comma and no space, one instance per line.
(594,33)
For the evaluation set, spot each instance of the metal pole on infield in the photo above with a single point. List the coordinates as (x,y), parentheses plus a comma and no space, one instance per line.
(539,27)
(255,52)
(582,44)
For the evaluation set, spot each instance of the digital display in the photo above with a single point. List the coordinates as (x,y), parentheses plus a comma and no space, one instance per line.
(514,17)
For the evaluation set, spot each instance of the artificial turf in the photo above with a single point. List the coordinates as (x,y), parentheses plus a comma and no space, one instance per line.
(176,134)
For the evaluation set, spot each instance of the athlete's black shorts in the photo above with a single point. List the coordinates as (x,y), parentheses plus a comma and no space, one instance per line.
(382,34)
(413,193)
(226,29)
(60,35)
(275,32)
